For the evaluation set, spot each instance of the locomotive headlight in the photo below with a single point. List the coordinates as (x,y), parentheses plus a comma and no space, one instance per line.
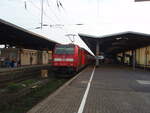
(70,59)
(57,59)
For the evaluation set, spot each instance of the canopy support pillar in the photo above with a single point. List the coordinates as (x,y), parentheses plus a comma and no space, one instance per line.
(134,59)
(97,52)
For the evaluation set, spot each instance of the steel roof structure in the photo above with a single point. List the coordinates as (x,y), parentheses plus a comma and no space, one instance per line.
(116,43)
(17,36)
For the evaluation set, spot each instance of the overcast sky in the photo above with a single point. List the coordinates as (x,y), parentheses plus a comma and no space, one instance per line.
(99,17)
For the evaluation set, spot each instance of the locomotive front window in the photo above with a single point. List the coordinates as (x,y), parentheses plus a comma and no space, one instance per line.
(69,50)
(64,50)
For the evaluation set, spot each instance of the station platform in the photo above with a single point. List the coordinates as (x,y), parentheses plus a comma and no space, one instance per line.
(22,67)
(106,89)
(20,73)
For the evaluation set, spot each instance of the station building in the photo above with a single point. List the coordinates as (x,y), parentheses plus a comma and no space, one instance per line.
(23,47)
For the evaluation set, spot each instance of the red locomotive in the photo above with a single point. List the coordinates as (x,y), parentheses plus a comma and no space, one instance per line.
(70,58)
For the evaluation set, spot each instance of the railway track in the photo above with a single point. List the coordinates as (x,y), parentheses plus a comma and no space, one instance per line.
(4,84)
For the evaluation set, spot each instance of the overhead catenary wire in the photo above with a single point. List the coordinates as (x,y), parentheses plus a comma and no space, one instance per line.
(64,11)
(60,5)
(66,29)
(71,34)
(53,12)
(66,19)
(44,13)
(48,3)
(47,15)
(25,5)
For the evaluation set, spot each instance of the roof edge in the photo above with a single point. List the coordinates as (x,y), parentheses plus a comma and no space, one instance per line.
(25,30)
(114,34)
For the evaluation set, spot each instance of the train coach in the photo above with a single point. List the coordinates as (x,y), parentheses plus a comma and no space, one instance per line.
(70,58)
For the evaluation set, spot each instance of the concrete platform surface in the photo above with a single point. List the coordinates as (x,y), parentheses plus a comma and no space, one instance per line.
(112,89)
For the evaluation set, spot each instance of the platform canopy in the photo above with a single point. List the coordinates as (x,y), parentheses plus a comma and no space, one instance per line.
(116,43)
(19,37)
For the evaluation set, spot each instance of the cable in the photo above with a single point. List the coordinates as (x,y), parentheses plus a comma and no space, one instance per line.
(40,10)
(64,19)
(42,13)
(58,18)
(66,29)
(52,11)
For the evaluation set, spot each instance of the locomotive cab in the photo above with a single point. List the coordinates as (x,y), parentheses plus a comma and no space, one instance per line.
(64,57)
(69,58)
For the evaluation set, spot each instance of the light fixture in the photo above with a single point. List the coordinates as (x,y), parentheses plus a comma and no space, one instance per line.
(119,38)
